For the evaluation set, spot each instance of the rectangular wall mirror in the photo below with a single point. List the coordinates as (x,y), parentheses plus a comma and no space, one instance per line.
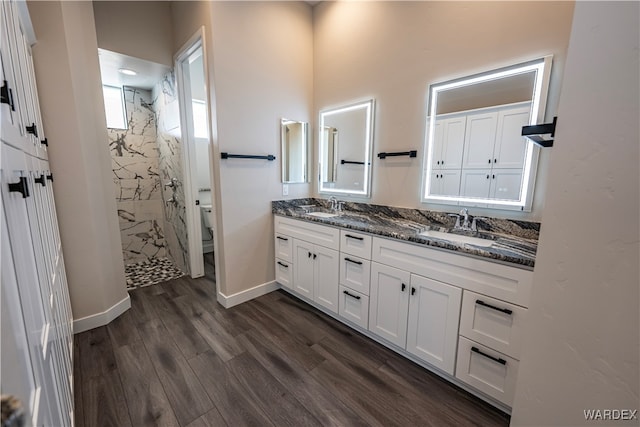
(345,149)
(475,154)
(294,140)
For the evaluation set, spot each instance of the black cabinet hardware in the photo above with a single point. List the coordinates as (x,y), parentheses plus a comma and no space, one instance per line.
(353,237)
(533,133)
(489,161)
(487,176)
(6,95)
(412,153)
(351,295)
(44,142)
(269,157)
(403,287)
(315,256)
(20,187)
(282,238)
(495,359)
(50,177)
(309,254)
(493,307)
(33,129)
(353,261)
(282,264)
(350,162)
(413,290)
(40,180)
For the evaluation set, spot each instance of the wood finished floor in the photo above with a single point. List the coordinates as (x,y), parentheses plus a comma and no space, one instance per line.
(178,358)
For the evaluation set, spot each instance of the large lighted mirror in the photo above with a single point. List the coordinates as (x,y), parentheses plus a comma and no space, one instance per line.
(294,137)
(345,147)
(475,154)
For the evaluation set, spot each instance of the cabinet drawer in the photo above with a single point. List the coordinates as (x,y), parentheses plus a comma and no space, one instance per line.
(355,273)
(284,273)
(313,233)
(492,322)
(500,281)
(354,307)
(487,370)
(284,247)
(356,244)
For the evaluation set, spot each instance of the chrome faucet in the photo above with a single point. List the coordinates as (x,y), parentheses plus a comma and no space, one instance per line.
(464,213)
(334,203)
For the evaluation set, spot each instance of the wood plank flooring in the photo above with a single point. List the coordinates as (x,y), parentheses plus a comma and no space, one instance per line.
(178,358)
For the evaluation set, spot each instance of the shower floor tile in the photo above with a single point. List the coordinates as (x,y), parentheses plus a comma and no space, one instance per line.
(150,272)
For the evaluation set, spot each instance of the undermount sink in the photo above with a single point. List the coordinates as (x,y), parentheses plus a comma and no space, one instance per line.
(457,238)
(322,214)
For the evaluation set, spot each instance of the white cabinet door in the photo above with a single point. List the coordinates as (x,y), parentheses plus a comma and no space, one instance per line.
(303,268)
(506,184)
(453,143)
(355,273)
(510,146)
(445,183)
(326,286)
(475,183)
(434,313)
(10,119)
(388,303)
(284,273)
(479,140)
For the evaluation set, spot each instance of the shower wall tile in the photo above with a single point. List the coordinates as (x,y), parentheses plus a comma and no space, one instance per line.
(137,185)
(169,145)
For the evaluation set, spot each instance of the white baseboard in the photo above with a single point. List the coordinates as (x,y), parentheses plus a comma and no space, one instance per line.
(101,319)
(246,295)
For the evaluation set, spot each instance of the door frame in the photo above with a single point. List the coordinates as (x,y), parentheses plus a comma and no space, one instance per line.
(192,210)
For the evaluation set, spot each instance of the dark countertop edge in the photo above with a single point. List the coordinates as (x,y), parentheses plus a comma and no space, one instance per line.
(441,245)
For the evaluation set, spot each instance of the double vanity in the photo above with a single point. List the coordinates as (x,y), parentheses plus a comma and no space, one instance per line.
(453,301)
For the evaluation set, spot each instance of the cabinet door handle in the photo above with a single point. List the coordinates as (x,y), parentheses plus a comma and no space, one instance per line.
(315,256)
(282,264)
(495,359)
(353,237)
(309,254)
(487,176)
(403,287)
(495,160)
(353,261)
(282,238)
(494,177)
(493,307)
(413,290)
(489,161)
(351,295)
(20,187)
(40,180)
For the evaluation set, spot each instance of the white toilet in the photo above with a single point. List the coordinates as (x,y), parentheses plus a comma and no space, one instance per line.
(206,217)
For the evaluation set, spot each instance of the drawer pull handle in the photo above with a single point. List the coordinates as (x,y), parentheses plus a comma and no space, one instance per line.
(403,287)
(351,295)
(284,265)
(282,238)
(354,237)
(495,359)
(413,290)
(493,307)
(353,261)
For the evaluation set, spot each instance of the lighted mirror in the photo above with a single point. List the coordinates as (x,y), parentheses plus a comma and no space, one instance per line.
(475,153)
(294,137)
(345,149)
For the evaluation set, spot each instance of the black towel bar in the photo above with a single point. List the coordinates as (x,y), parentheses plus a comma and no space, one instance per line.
(269,157)
(412,153)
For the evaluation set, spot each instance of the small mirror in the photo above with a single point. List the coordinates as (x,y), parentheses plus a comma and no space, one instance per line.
(346,140)
(475,153)
(294,137)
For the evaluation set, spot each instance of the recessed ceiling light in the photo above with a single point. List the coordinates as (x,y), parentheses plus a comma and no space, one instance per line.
(127,71)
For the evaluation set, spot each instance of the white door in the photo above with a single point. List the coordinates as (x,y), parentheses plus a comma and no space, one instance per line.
(480,137)
(434,313)
(326,277)
(388,303)
(475,183)
(510,147)
(303,274)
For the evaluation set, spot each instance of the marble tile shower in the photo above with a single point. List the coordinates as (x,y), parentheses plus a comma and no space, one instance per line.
(169,145)
(137,186)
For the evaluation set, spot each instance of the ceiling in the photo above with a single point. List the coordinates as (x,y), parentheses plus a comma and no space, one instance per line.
(149,73)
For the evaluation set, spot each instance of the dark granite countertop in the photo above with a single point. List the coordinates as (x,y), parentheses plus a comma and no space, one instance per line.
(515,242)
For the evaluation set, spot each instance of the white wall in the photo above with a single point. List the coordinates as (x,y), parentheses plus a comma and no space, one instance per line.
(581,346)
(148,21)
(392,51)
(68,75)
